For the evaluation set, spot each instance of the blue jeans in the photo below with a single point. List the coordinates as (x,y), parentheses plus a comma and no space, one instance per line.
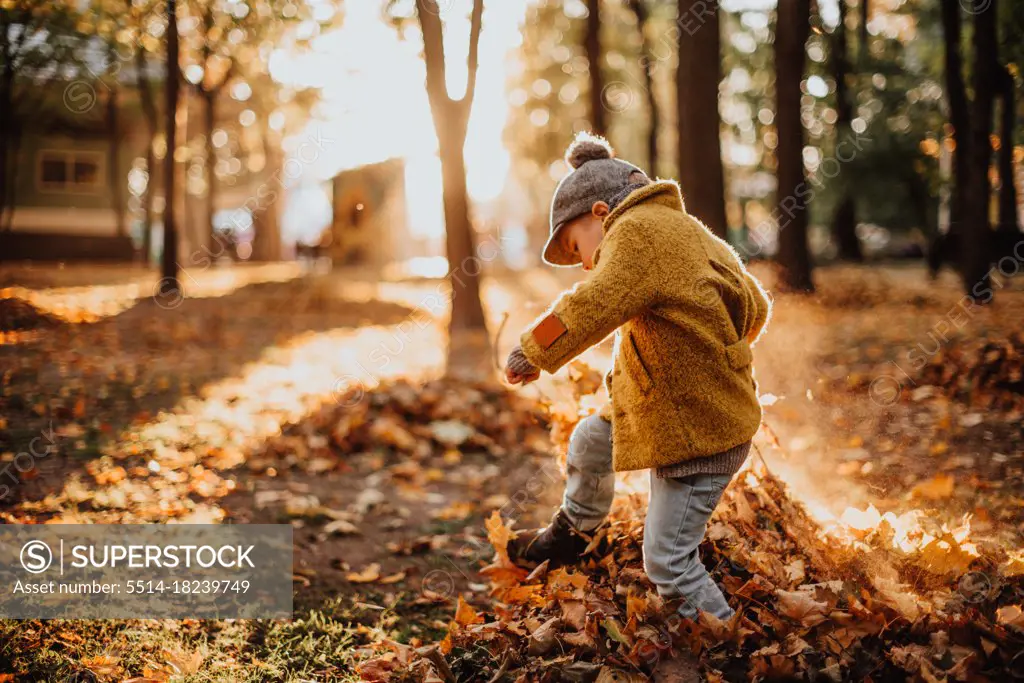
(677,517)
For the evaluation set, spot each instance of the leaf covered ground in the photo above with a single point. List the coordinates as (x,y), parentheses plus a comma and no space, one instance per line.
(877,539)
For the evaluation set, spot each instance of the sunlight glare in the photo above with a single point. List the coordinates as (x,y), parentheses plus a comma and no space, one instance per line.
(379,110)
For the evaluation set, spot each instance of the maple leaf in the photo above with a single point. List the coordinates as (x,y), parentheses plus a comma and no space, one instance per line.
(103,666)
(544,638)
(801,606)
(503,577)
(466,615)
(897,596)
(521,595)
(574,613)
(944,556)
(499,534)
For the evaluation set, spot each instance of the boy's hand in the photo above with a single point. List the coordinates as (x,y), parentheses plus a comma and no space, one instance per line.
(519,370)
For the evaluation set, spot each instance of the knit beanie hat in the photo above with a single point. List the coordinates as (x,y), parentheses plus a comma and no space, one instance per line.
(595,175)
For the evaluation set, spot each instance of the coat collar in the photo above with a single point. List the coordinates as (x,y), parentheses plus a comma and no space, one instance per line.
(664,192)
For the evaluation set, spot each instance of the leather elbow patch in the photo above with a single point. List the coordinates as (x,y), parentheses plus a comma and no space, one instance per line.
(548,331)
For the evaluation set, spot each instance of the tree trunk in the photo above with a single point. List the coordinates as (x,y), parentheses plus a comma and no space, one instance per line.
(4,128)
(844,231)
(114,177)
(792,27)
(147,205)
(209,123)
(592,48)
(960,118)
(844,223)
(6,124)
(467,311)
(267,235)
(1009,225)
(266,225)
(14,158)
(700,148)
(862,29)
(978,230)
(169,285)
(150,115)
(639,9)
(469,345)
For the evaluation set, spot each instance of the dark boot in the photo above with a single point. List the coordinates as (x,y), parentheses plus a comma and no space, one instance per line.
(560,542)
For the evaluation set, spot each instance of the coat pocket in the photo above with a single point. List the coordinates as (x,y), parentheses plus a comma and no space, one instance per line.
(635,365)
(739,355)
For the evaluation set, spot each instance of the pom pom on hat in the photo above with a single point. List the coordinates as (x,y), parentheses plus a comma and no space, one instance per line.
(587,147)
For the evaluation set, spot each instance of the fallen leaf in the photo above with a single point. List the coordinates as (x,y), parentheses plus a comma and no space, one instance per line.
(543,639)
(499,535)
(938,487)
(801,606)
(1011,615)
(466,615)
(369,575)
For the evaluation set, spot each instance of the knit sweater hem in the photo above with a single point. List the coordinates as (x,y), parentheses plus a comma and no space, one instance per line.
(727,462)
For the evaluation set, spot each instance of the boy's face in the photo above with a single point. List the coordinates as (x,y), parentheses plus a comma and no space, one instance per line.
(583,234)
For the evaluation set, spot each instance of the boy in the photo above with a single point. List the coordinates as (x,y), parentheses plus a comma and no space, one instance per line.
(683,398)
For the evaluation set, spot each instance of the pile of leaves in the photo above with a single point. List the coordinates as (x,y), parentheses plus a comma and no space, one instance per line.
(412,422)
(869,598)
(17,315)
(985,372)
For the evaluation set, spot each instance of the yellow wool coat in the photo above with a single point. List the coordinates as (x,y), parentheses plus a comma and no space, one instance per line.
(686,311)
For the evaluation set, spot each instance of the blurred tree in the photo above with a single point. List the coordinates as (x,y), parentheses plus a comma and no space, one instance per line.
(844,223)
(792,27)
(219,33)
(115,174)
(1011,52)
(592,48)
(169,285)
(548,92)
(469,346)
(111,25)
(1009,224)
(150,115)
(39,46)
(978,229)
(749,138)
(862,31)
(943,246)
(228,40)
(894,89)
(647,62)
(280,113)
(700,143)
(129,29)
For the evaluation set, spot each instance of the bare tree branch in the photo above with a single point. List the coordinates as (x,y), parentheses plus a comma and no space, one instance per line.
(473,61)
(429,15)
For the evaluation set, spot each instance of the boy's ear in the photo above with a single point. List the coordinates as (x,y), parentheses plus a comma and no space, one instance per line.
(600,209)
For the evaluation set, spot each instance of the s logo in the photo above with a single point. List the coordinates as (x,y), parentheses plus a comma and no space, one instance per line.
(36,557)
